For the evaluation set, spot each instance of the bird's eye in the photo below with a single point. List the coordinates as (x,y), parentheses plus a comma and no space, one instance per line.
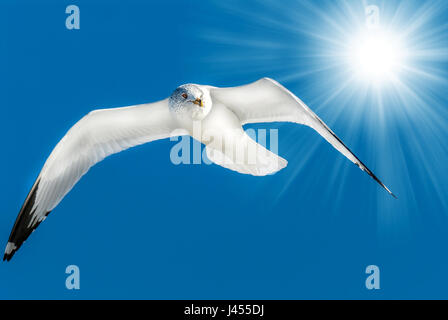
(184,95)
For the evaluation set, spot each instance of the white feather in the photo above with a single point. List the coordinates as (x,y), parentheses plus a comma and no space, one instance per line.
(96,136)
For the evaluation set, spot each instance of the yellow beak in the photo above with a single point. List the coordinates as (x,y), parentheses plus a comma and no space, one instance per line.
(199,102)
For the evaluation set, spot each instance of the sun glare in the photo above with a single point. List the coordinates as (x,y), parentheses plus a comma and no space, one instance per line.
(372,70)
(376,55)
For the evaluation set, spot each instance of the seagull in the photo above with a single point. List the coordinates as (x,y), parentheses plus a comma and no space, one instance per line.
(221,112)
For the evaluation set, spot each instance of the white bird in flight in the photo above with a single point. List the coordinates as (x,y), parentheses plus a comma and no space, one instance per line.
(221,112)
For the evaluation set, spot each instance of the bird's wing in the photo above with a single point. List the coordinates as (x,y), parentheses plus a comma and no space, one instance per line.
(96,136)
(266,100)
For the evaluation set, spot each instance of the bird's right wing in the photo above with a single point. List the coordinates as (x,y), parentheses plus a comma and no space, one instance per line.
(266,100)
(97,135)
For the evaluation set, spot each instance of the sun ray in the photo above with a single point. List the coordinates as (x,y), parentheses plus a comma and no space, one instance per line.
(376,83)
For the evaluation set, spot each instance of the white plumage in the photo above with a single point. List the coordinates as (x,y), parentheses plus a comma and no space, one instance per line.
(221,113)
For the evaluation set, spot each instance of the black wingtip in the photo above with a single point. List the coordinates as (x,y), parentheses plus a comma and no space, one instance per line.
(382,184)
(22,227)
(7,256)
(358,162)
(10,250)
(370,173)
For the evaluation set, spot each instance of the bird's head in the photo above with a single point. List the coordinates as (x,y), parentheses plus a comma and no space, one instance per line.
(190,100)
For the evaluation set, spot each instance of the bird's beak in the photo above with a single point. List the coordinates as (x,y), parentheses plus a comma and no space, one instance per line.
(199,102)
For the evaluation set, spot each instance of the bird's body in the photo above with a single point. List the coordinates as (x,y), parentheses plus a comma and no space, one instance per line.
(213,116)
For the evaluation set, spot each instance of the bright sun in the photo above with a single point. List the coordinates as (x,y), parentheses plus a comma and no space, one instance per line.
(376,55)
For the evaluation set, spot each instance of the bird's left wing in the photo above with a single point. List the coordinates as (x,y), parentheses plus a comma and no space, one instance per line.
(266,100)
(97,135)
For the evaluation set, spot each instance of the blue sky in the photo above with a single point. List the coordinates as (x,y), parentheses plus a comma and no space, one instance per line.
(140,227)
